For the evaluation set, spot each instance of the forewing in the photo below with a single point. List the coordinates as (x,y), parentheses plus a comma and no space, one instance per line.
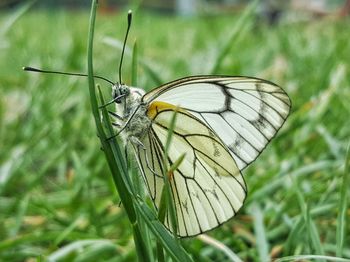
(207,187)
(244,112)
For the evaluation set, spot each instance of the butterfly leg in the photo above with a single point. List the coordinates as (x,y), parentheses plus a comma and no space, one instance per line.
(146,158)
(115,115)
(148,165)
(138,145)
(116,124)
(126,120)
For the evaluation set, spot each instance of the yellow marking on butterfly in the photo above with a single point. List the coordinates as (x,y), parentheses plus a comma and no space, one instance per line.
(157,107)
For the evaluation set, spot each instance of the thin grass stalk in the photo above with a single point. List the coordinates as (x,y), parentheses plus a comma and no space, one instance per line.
(169,172)
(166,204)
(141,248)
(133,172)
(113,154)
(115,168)
(260,233)
(238,28)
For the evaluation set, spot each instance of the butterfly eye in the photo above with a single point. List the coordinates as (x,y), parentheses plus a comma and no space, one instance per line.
(119,92)
(116,94)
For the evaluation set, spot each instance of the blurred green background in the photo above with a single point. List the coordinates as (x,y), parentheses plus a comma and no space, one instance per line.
(57,199)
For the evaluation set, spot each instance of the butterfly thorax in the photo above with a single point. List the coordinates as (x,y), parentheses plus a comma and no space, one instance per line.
(134,115)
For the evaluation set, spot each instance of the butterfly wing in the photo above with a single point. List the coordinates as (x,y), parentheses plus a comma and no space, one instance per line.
(244,112)
(207,187)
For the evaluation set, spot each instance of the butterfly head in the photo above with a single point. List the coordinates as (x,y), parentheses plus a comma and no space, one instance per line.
(120,92)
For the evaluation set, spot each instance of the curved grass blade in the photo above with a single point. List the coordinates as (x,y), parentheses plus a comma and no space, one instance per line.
(173,248)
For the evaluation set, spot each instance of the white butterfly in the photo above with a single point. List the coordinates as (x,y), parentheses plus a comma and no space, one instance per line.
(223,124)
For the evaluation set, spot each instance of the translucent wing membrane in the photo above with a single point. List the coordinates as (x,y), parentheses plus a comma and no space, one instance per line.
(223,124)
(244,112)
(208,188)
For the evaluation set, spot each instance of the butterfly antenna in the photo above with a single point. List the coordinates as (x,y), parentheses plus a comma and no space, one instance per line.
(123,50)
(32,69)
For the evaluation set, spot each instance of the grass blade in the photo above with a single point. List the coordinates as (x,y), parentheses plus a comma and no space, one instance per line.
(166,203)
(218,245)
(239,26)
(259,228)
(343,204)
(126,190)
(167,187)
(310,225)
(113,153)
(174,249)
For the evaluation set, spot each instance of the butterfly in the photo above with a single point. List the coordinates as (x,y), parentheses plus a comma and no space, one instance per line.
(222,124)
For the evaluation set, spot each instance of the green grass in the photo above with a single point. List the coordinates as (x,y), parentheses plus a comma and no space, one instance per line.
(57,197)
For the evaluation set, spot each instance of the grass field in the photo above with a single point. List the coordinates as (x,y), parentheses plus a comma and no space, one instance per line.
(57,197)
